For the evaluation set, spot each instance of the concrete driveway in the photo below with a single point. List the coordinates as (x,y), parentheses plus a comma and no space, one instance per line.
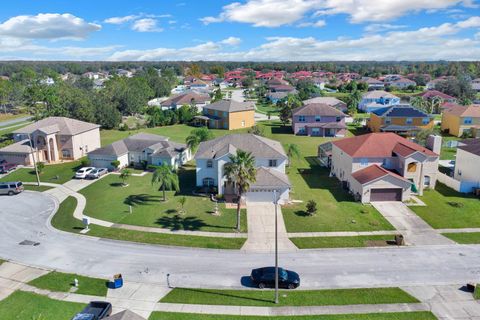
(415,230)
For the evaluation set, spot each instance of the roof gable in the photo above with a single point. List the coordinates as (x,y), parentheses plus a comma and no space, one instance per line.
(318,109)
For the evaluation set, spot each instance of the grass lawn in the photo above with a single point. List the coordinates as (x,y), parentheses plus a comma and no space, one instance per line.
(30,306)
(464,237)
(447,208)
(10,116)
(342,242)
(65,221)
(63,282)
(15,125)
(266,107)
(448,153)
(373,316)
(108,200)
(37,188)
(288,297)
(54,173)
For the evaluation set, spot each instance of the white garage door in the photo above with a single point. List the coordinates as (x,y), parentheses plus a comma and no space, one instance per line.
(260,195)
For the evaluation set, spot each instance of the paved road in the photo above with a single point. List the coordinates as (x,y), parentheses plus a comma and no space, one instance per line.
(25,217)
(13,121)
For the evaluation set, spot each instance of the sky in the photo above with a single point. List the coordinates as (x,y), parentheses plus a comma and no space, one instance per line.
(247,30)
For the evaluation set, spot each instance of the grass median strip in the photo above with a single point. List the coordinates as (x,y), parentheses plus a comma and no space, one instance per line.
(36,188)
(30,306)
(342,242)
(264,298)
(372,316)
(65,221)
(63,282)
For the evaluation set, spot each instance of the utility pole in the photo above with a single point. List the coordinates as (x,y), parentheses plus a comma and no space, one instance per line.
(275,202)
(34,161)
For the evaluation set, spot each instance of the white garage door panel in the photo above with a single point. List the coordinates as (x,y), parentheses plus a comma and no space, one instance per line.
(260,196)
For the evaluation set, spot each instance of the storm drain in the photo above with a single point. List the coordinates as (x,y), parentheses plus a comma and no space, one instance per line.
(29,243)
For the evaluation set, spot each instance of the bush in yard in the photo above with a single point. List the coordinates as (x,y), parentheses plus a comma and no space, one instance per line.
(455,204)
(85,162)
(40,167)
(182,201)
(124,176)
(311,207)
(115,164)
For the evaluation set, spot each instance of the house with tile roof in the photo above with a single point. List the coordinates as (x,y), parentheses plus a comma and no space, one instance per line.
(383,167)
(270,161)
(227,114)
(318,119)
(52,140)
(402,119)
(377,99)
(141,148)
(466,165)
(331,101)
(457,120)
(430,95)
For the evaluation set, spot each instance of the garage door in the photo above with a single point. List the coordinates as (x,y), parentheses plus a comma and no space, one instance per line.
(386,195)
(260,195)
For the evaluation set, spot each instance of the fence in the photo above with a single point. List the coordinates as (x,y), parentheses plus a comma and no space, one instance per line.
(448,181)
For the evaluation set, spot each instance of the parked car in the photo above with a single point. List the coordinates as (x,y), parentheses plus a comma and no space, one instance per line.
(6,167)
(11,188)
(97,173)
(95,310)
(265,277)
(83,172)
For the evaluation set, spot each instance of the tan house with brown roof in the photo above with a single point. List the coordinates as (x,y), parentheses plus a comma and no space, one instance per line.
(383,166)
(53,139)
(228,114)
(456,120)
(188,98)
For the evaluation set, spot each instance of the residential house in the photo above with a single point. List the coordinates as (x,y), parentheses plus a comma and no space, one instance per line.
(52,140)
(270,161)
(374,84)
(331,101)
(467,165)
(402,83)
(432,84)
(228,114)
(47,81)
(198,84)
(140,149)
(457,120)
(402,119)
(274,97)
(377,99)
(476,84)
(188,98)
(430,95)
(383,167)
(318,119)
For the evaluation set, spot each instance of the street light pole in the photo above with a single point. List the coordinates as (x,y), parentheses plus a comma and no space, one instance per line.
(34,161)
(275,202)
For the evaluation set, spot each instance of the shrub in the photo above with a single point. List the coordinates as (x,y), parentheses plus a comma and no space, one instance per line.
(115,164)
(40,167)
(311,207)
(455,204)
(85,162)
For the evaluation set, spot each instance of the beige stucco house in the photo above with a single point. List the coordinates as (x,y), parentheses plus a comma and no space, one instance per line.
(383,166)
(53,139)
(467,165)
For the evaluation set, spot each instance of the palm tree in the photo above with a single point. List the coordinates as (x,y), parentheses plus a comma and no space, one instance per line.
(124,176)
(419,103)
(166,178)
(241,170)
(197,136)
(293,151)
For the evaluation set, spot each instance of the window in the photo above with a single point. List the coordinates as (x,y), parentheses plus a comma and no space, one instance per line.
(409,121)
(338,119)
(467,121)
(301,118)
(209,164)
(272,163)
(388,120)
(412,167)
(243,123)
(318,118)
(301,130)
(224,113)
(425,121)
(364,162)
(315,131)
(208,182)
(216,113)
(66,154)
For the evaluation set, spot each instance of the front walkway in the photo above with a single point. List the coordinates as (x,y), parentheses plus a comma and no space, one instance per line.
(261,229)
(414,229)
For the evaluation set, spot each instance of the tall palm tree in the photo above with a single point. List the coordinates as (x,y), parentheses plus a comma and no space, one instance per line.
(419,103)
(166,178)
(241,170)
(293,151)
(197,136)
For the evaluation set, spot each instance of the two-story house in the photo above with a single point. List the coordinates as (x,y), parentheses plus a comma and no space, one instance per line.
(318,119)
(431,95)
(402,119)
(383,167)
(466,165)
(377,99)
(270,161)
(457,120)
(188,98)
(141,148)
(331,101)
(52,140)
(228,114)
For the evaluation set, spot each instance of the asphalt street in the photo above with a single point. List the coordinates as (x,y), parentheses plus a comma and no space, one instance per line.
(26,217)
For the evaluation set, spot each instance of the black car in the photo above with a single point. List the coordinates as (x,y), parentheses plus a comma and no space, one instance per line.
(95,310)
(265,277)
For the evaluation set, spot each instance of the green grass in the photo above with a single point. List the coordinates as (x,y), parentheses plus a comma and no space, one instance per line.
(63,171)
(267,107)
(476,293)
(15,125)
(63,282)
(10,116)
(30,306)
(341,242)
(107,200)
(64,220)
(373,316)
(448,153)
(288,297)
(36,188)
(447,208)
(1,261)
(464,237)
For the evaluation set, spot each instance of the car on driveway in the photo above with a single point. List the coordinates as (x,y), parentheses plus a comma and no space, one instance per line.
(97,173)
(7,167)
(83,172)
(11,188)
(265,277)
(95,310)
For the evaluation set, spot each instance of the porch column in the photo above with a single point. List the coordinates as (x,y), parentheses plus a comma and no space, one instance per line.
(48,151)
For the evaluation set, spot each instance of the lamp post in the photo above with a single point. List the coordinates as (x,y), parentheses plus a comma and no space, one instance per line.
(34,161)
(275,202)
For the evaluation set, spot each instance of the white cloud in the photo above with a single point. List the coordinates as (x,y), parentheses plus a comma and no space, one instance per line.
(146,25)
(318,24)
(274,13)
(231,41)
(121,20)
(382,27)
(51,26)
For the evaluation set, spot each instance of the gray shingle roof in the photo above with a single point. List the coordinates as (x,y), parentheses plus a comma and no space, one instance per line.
(231,106)
(65,126)
(331,101)
(267,177)
(260,147)
(18,147)
(318,109)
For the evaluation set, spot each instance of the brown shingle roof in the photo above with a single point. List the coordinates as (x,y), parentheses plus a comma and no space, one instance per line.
(374,172)
(231,106)
(434,94)
(185,98)
(471,145)
(464,111)
(331,101)
(377,94)
(318,109)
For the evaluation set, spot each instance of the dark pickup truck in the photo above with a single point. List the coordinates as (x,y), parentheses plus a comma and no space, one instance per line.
(95,310)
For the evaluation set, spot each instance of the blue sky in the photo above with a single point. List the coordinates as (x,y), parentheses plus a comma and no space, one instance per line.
(260,30)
